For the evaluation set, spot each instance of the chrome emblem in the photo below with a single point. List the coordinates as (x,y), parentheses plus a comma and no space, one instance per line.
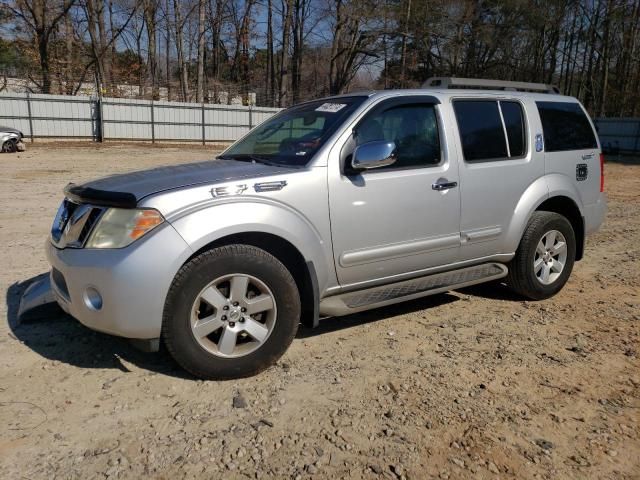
(227,190)
(270,186)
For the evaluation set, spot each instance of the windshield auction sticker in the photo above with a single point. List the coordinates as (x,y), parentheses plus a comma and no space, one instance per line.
(331,107)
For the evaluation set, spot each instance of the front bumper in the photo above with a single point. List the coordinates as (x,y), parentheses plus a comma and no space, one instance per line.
(132,282)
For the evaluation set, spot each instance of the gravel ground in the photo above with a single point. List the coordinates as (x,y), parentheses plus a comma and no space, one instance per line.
(471,384)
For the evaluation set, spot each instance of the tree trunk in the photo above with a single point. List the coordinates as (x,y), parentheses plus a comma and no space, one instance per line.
(271,70)
(184,72)
(43,50)
(604,76)
(283,93)
(403,49)
(244,52)
(298,45)
(200,68)
(216,29)
(150,10)
(68,30)
(167,49)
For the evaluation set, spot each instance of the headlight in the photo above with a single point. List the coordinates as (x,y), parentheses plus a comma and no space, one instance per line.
(118,227)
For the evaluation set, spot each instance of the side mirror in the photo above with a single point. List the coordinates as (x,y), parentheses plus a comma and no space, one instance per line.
(374,155)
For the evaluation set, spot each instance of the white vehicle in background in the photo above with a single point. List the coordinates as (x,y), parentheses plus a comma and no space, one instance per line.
(11,140)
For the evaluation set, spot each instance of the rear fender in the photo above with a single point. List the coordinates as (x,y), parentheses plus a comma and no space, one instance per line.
(552,185)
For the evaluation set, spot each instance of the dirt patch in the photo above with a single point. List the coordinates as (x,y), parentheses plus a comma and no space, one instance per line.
(470,384)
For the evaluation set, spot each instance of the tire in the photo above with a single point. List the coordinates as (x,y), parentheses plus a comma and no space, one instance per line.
(10,146)
(214,276)
(543,280)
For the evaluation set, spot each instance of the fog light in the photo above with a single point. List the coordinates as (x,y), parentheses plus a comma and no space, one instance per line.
(92,299)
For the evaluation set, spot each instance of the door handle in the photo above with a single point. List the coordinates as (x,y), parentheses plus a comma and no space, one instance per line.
(444,185)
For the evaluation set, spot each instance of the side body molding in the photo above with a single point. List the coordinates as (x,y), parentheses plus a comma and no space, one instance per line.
(258,215)
(545,187)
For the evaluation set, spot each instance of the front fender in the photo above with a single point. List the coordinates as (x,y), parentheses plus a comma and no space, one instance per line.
(553,185)
(252,215)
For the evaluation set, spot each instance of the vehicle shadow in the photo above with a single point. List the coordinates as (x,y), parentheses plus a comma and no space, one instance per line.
(57,336)
(333,324)
(493,291)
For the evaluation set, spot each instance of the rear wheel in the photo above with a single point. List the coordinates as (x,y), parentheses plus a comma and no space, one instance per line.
(231,312)
(544,259)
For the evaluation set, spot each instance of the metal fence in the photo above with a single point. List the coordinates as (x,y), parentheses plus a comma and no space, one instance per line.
(619,135)
(100,118)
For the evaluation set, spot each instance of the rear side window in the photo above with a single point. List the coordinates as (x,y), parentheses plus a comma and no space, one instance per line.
(481,130)
(565,127)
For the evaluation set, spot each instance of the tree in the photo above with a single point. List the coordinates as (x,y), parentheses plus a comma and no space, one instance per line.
(150,10)
(42,18)
(354,42)
(200,87)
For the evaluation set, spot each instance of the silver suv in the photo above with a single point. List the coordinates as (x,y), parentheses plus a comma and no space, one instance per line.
(331,207)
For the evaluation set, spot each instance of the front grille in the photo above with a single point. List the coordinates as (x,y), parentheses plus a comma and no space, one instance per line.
(74,223)
(91,222)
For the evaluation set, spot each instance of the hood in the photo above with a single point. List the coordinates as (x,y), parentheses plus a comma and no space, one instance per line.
(127,189)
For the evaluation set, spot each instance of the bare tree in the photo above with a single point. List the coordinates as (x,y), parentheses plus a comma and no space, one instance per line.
(182,61)
(150,9)
(283,81)
(307,48)
(200,66)
(353,43)
(42,18)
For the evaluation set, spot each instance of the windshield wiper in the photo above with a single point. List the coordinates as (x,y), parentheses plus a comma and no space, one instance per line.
(249,157)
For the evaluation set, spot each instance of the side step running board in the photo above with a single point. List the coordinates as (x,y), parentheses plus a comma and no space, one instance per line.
(352,302)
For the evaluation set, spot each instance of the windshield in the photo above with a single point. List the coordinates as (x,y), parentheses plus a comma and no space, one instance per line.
(293,136)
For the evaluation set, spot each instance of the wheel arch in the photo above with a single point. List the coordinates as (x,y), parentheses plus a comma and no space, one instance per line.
(566,207)
(303,271)
(552,193)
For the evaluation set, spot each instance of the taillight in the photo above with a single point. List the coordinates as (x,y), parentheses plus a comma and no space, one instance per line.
(602,172)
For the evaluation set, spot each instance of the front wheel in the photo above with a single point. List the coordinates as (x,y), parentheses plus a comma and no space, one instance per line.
(231,312)
(10,146)
(544,258)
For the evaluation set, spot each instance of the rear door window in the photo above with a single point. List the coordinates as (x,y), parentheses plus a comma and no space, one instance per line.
(565,127)
(481,131)
(514,124)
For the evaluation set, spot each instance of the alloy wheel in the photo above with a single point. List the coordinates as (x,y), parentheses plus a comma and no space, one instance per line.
(233,315)
(550,257)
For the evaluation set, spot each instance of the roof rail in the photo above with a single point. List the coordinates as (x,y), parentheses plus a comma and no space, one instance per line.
(481,83)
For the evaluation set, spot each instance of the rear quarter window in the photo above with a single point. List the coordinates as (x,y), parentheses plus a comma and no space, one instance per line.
(565,127)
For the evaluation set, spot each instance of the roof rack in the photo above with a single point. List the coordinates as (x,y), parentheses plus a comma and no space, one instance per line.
(481,83)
